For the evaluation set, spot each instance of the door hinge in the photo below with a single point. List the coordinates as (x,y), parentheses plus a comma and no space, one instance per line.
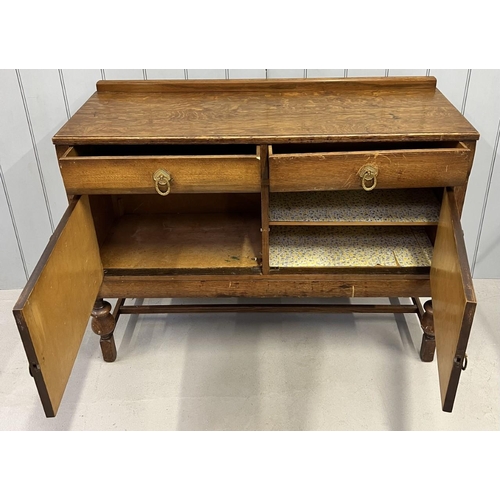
(32,368)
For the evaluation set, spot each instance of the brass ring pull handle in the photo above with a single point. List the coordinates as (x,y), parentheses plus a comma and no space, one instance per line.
(368,173)
(162,182)
(462,362)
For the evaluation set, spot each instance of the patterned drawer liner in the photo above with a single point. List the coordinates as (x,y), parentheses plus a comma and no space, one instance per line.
(382,206)
(309,246)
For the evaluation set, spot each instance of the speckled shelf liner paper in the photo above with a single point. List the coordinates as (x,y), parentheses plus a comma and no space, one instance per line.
(385,205)
(306,246)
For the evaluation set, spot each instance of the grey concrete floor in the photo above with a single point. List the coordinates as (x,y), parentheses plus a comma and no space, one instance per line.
(260,372)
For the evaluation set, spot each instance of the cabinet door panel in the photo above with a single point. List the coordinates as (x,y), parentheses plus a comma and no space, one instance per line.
(453,299)
(54,308)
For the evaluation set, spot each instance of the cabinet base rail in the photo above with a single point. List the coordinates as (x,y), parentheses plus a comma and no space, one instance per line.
(120,308)
(103,317)
(266,308)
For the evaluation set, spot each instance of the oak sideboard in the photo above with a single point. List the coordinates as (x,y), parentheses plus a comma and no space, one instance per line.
(255,188)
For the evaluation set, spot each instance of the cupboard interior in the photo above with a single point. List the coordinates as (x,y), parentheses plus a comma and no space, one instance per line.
(389,231)
(179,233)
(221,233)
(403,248)
(413,207)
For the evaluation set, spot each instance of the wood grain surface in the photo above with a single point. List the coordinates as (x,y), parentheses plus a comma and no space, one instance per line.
(453,299)
(54,307)
(380,109)
(134,174)
(265,207)
(142,244)
(313,285)
(396,169)
(260,85)
(268,308)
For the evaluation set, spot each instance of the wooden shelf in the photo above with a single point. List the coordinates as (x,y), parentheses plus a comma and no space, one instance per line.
(164,243)
(349,247)
(384,207)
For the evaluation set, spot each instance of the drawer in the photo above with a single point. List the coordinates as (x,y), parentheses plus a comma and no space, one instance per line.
(324,167)
(131,169)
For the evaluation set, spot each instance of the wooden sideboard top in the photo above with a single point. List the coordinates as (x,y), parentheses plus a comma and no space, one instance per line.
(266,111)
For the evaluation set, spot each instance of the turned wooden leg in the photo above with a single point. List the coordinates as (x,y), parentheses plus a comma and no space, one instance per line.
(103,323)
(428,339)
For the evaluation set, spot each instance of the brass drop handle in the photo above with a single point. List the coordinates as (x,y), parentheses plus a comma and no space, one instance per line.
(462,362)
(162,182)
(368,173)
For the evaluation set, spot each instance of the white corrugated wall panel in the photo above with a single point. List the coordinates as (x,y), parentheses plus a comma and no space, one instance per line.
(165,74)
(79,85)
(365,72)
(247,73)
(22,171)
(48,113)
(12,272)
(482,109)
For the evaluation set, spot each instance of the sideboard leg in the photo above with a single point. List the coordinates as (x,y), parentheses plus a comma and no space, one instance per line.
(428,339)
(103,324)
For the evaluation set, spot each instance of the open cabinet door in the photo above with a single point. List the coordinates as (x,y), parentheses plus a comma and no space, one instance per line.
(453,299)
(53,310)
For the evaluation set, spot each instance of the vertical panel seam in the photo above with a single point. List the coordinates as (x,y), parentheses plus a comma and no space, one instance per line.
(64,93)
(226,74)
(346,73)
(386,72)
(186,74)
(14,224)
(35,149)
(485,201)
(466,91)
(144,74)
(103,74)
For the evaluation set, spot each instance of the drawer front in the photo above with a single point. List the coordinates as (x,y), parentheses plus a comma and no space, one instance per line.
(188,174)
(393,169)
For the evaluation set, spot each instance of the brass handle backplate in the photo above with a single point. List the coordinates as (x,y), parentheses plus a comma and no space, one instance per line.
(368,173)
(162,182)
